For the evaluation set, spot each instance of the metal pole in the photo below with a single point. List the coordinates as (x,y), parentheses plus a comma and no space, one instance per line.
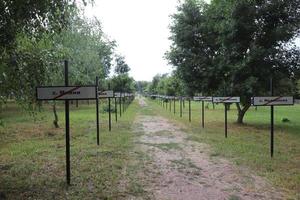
(109,110)
(202,114)
(190,114)
(225,120)
(116,109)
(180,107)
(97,111)
(174,106)
(67,118)
(120,103)
(272,120)
(124,104)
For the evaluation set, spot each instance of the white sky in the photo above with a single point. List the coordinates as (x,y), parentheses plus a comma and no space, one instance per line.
(140,28)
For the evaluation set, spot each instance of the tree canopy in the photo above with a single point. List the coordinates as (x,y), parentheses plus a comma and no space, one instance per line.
(38,36)
(235,47)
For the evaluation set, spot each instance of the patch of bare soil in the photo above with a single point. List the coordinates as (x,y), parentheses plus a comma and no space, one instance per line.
(182,169)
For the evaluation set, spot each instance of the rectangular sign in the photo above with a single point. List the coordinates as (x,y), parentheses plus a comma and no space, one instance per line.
(106,94)
(117,94)
(272,101)
(203,99)
(226,99)
(66,93)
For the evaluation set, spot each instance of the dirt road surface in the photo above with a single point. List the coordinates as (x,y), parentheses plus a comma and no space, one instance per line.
(180,169)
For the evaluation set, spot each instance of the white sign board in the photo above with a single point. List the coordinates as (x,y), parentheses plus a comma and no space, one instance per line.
(118,95)
(226,99)
(272,101)
(106,94)
(66,93)
(203,99)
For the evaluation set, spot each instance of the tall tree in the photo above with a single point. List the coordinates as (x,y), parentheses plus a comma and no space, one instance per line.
(235,47)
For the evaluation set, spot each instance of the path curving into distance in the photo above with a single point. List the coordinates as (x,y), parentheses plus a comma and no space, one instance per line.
(181,169)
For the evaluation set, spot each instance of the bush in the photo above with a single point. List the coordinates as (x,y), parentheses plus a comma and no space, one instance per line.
(285,120)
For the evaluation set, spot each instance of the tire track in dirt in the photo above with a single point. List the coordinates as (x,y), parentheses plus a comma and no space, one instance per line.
(182,169)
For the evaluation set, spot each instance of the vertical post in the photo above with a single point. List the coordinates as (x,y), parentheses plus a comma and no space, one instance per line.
(67,118)
(170,104)
(120,103)
(272,120)
(202,114)
(190,112)
(116,109)
(97,110)
(167,103)
(109,110)
(174,105)
(124,104)
(225,104)
(180,106)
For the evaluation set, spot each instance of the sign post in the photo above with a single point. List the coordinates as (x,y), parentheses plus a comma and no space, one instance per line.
(190,111)
(109,109)
(180,106)
(170,103)
(202,114)
(174,105)
(116,109)
(123,103)
(272,120)
(67,118)
(120,104)
(67,93)
(97,110)
(107,94)
(272,101)
(226,101)
(203,99)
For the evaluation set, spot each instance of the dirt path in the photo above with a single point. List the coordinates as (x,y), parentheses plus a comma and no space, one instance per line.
(183,169)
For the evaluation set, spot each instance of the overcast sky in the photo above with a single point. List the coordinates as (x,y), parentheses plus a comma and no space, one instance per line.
(140,28)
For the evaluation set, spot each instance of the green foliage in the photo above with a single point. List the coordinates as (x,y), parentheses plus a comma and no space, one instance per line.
(142,86)
(170,85)
(88,50)
(235,47)
(31,17)
(121,81)
(36,57)
(121,66)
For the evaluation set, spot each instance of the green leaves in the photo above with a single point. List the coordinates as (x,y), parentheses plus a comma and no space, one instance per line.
(234,47)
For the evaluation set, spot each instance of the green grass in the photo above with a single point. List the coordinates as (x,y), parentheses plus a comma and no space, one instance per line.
(248,145)
(32,152)
(32,155)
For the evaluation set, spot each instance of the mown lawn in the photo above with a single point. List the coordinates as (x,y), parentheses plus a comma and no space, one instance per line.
(248,145)
(32,155)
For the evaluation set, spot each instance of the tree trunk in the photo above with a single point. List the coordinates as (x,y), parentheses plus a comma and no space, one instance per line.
(88,101)
(213,105)
(241,112)
(76,103)
(55,122)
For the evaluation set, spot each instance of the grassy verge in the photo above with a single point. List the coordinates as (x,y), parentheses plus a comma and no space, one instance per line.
(248,145)
(32,155)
